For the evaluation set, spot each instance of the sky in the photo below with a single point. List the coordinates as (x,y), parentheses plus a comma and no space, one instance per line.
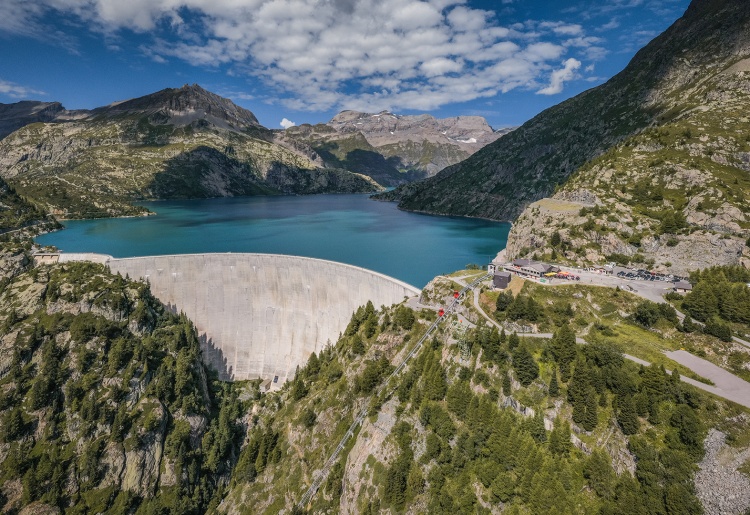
(302,61)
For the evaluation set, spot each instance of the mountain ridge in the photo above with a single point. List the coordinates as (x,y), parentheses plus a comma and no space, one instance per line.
(175,143)
(542,153)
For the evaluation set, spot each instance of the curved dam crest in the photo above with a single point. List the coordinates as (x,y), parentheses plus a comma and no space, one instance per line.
(262,315)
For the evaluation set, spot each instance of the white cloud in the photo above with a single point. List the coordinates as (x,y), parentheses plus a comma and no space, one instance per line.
(610,25)
(14,90)
(560,76)
(326,54)
(287,123)
(562,28)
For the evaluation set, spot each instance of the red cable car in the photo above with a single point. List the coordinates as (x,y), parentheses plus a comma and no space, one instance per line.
(456,294)
(441,312)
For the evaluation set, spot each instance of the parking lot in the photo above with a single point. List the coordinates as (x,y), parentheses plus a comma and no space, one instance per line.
(646,288)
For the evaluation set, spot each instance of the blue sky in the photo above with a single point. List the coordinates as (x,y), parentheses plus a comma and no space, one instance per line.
(305,60)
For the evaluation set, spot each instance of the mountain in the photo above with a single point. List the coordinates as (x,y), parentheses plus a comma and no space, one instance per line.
(676,196)
(184,106)
(15,116)
(106,407)
(501,179)
(666,136)
(395,149)
(176,143)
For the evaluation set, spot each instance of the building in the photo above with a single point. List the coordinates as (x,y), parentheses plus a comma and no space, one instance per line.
(46,258)
(501,280)
(682,287)
(529,268)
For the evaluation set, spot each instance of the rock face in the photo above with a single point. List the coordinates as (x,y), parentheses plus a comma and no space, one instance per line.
(176,143)
(469,133)
(672,78)
(722,488)
(15,116)
(395,149)
(183,106)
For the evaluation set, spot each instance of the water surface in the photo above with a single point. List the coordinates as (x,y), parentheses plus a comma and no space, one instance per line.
(347,228)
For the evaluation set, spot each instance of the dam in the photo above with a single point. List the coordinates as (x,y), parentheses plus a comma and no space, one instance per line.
(260,315)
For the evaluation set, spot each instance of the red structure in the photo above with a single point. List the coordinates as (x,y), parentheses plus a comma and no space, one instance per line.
(441,312)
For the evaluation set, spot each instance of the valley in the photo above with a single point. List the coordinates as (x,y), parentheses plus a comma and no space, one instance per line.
(230,324)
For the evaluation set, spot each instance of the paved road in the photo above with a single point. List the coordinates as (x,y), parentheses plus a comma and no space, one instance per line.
(726,385)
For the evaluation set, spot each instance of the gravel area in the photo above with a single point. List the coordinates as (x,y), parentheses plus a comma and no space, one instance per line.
(720,487)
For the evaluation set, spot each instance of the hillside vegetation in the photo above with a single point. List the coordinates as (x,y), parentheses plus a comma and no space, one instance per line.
(105,404)
(517,425)
(106,407)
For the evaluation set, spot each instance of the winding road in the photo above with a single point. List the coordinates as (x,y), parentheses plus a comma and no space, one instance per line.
(726,385)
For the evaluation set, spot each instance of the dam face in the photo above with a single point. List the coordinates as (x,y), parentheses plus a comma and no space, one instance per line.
(261,315)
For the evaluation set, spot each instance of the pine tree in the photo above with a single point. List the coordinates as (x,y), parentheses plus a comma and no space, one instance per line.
(590,418)
(599,473)
(526,368)
(513,341)
(627,416)
(504,300)
(559,439)
(358,347)
(688,325)
(537,430)
(492,348)
(554,387)
(563,348)
(503,336)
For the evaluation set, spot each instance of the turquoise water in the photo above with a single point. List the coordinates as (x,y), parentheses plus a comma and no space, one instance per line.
(347,228)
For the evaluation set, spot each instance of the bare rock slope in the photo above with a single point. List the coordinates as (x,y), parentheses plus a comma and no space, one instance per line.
(176,143)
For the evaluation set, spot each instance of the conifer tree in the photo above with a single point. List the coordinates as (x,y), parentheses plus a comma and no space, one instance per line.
(513,341)
(526,368)
(493,345)
(688,326)
(590,418)
(563,348)
(358,347)
(599,473)
(537,430)
(627,416)
(559,439)
(554,387)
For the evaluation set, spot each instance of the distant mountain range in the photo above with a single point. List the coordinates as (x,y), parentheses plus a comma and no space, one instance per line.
(396,149)
(191,143)
(666,139)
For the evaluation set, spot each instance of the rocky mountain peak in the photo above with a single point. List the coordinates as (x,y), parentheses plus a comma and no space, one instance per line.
(16,115)
(185,105)
(385,128)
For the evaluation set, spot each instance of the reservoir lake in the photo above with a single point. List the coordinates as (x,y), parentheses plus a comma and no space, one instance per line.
(347,228)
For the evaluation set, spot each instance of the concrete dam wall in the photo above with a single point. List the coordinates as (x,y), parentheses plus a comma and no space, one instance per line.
(261,315)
